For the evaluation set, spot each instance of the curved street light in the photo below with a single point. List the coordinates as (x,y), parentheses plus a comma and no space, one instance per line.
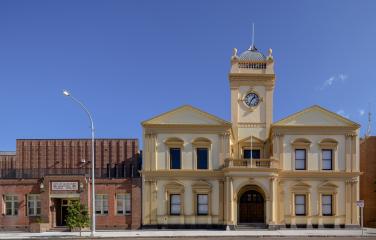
(67,94)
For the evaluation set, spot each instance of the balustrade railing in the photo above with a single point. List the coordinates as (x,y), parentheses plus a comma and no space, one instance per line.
(250,163)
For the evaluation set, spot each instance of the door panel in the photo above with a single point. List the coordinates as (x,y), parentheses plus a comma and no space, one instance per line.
(251,207)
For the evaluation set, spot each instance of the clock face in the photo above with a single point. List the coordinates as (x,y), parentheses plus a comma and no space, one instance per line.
(252,99)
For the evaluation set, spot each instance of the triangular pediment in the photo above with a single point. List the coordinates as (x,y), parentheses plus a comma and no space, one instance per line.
(301,186)
(251,139)
(327,185)
(316,116)
(186,115)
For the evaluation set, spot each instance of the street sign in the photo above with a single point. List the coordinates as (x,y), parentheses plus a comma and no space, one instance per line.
(360,203)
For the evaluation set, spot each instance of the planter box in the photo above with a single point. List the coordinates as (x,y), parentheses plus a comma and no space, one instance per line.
(39,227)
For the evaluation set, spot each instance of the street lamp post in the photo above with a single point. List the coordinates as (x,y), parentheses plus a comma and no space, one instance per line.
(66,93)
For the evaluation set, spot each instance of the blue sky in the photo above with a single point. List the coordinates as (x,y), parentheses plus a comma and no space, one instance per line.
(131,60)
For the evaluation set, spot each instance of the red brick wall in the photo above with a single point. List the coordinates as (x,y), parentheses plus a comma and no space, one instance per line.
(7,160)
(367,180)
(67,154)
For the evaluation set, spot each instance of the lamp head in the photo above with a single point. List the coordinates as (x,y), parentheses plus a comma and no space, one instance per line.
(66,93)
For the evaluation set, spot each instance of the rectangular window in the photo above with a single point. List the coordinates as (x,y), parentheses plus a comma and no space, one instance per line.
(326,205)
(300,205)
(101,204)
(33,205)
(255,153)
(327,159)
(300,159)
(202,158)
(11,205)
(202,204)
(175,204)
(123,203)
(175,162)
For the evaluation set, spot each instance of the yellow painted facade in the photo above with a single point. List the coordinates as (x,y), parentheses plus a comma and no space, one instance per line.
(256,172)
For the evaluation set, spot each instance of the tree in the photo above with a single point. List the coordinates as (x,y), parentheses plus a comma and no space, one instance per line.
(78,216)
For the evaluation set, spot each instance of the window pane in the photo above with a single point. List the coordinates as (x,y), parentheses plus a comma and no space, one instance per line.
(128,203)
(300,154)
(175,199)
(203,199)
(175,209)
(299,199)
(326,199)
(256,153)
(202,158)
(119,206)
(299,210)
(327,165)
(246,153)
(299,164)
(327,154)
(203,209)
(327,209)
(175,158)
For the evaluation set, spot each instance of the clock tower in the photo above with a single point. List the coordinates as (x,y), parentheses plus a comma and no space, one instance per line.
(252,82)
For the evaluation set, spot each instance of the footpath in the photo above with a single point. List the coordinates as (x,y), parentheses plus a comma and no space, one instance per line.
(194,233)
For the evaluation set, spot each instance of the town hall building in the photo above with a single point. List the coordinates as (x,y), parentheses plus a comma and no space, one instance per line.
(200,171)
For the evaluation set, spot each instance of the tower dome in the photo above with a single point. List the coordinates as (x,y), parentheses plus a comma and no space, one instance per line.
(252,55)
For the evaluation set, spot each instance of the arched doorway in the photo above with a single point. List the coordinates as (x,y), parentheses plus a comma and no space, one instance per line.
(251,207)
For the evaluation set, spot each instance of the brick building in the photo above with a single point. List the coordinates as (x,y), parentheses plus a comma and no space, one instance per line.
(42,177)
(368,179)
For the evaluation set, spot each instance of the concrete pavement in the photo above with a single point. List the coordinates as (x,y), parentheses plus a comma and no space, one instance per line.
(195,233)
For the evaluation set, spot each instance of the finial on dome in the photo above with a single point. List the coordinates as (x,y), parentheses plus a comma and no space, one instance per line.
(252,47)
(270,56)
(235,52)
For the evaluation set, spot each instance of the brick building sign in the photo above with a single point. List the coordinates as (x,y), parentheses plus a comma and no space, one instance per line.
(64,186)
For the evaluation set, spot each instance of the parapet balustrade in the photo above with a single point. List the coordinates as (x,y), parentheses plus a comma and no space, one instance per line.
(251,163)
(252,65)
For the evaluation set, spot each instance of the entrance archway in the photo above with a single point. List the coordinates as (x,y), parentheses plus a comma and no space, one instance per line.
(251,207)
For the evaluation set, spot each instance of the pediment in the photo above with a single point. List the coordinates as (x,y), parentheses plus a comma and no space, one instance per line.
(327,185)
(251,139)
(315,116)
(201,185)
(186,115)
(301,186)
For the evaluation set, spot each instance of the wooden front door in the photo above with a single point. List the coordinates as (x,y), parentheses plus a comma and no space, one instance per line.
(251,207)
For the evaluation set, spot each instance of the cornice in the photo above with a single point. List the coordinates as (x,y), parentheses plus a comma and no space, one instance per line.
(188,128)
(317,174)
(314,130)
(178,174)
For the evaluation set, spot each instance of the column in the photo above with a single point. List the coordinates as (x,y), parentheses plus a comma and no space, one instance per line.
(153,202)
(348,202)
(348,152)
(354,208)
(231,202)
(221,201)
(273,200)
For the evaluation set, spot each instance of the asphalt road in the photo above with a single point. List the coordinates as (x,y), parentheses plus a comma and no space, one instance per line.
(232,238)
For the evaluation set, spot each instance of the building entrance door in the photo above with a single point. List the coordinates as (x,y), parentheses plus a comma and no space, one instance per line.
(251,207)
(61,206)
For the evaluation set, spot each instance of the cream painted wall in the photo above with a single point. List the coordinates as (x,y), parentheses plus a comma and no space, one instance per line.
(258,114)
(340,209)
(314,152)
(188,217)
(188,153)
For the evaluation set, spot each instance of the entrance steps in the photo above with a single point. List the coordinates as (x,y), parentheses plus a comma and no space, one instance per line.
(250,226)
(59,229)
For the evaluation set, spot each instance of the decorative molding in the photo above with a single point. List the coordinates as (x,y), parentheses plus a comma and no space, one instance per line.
(251,125)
